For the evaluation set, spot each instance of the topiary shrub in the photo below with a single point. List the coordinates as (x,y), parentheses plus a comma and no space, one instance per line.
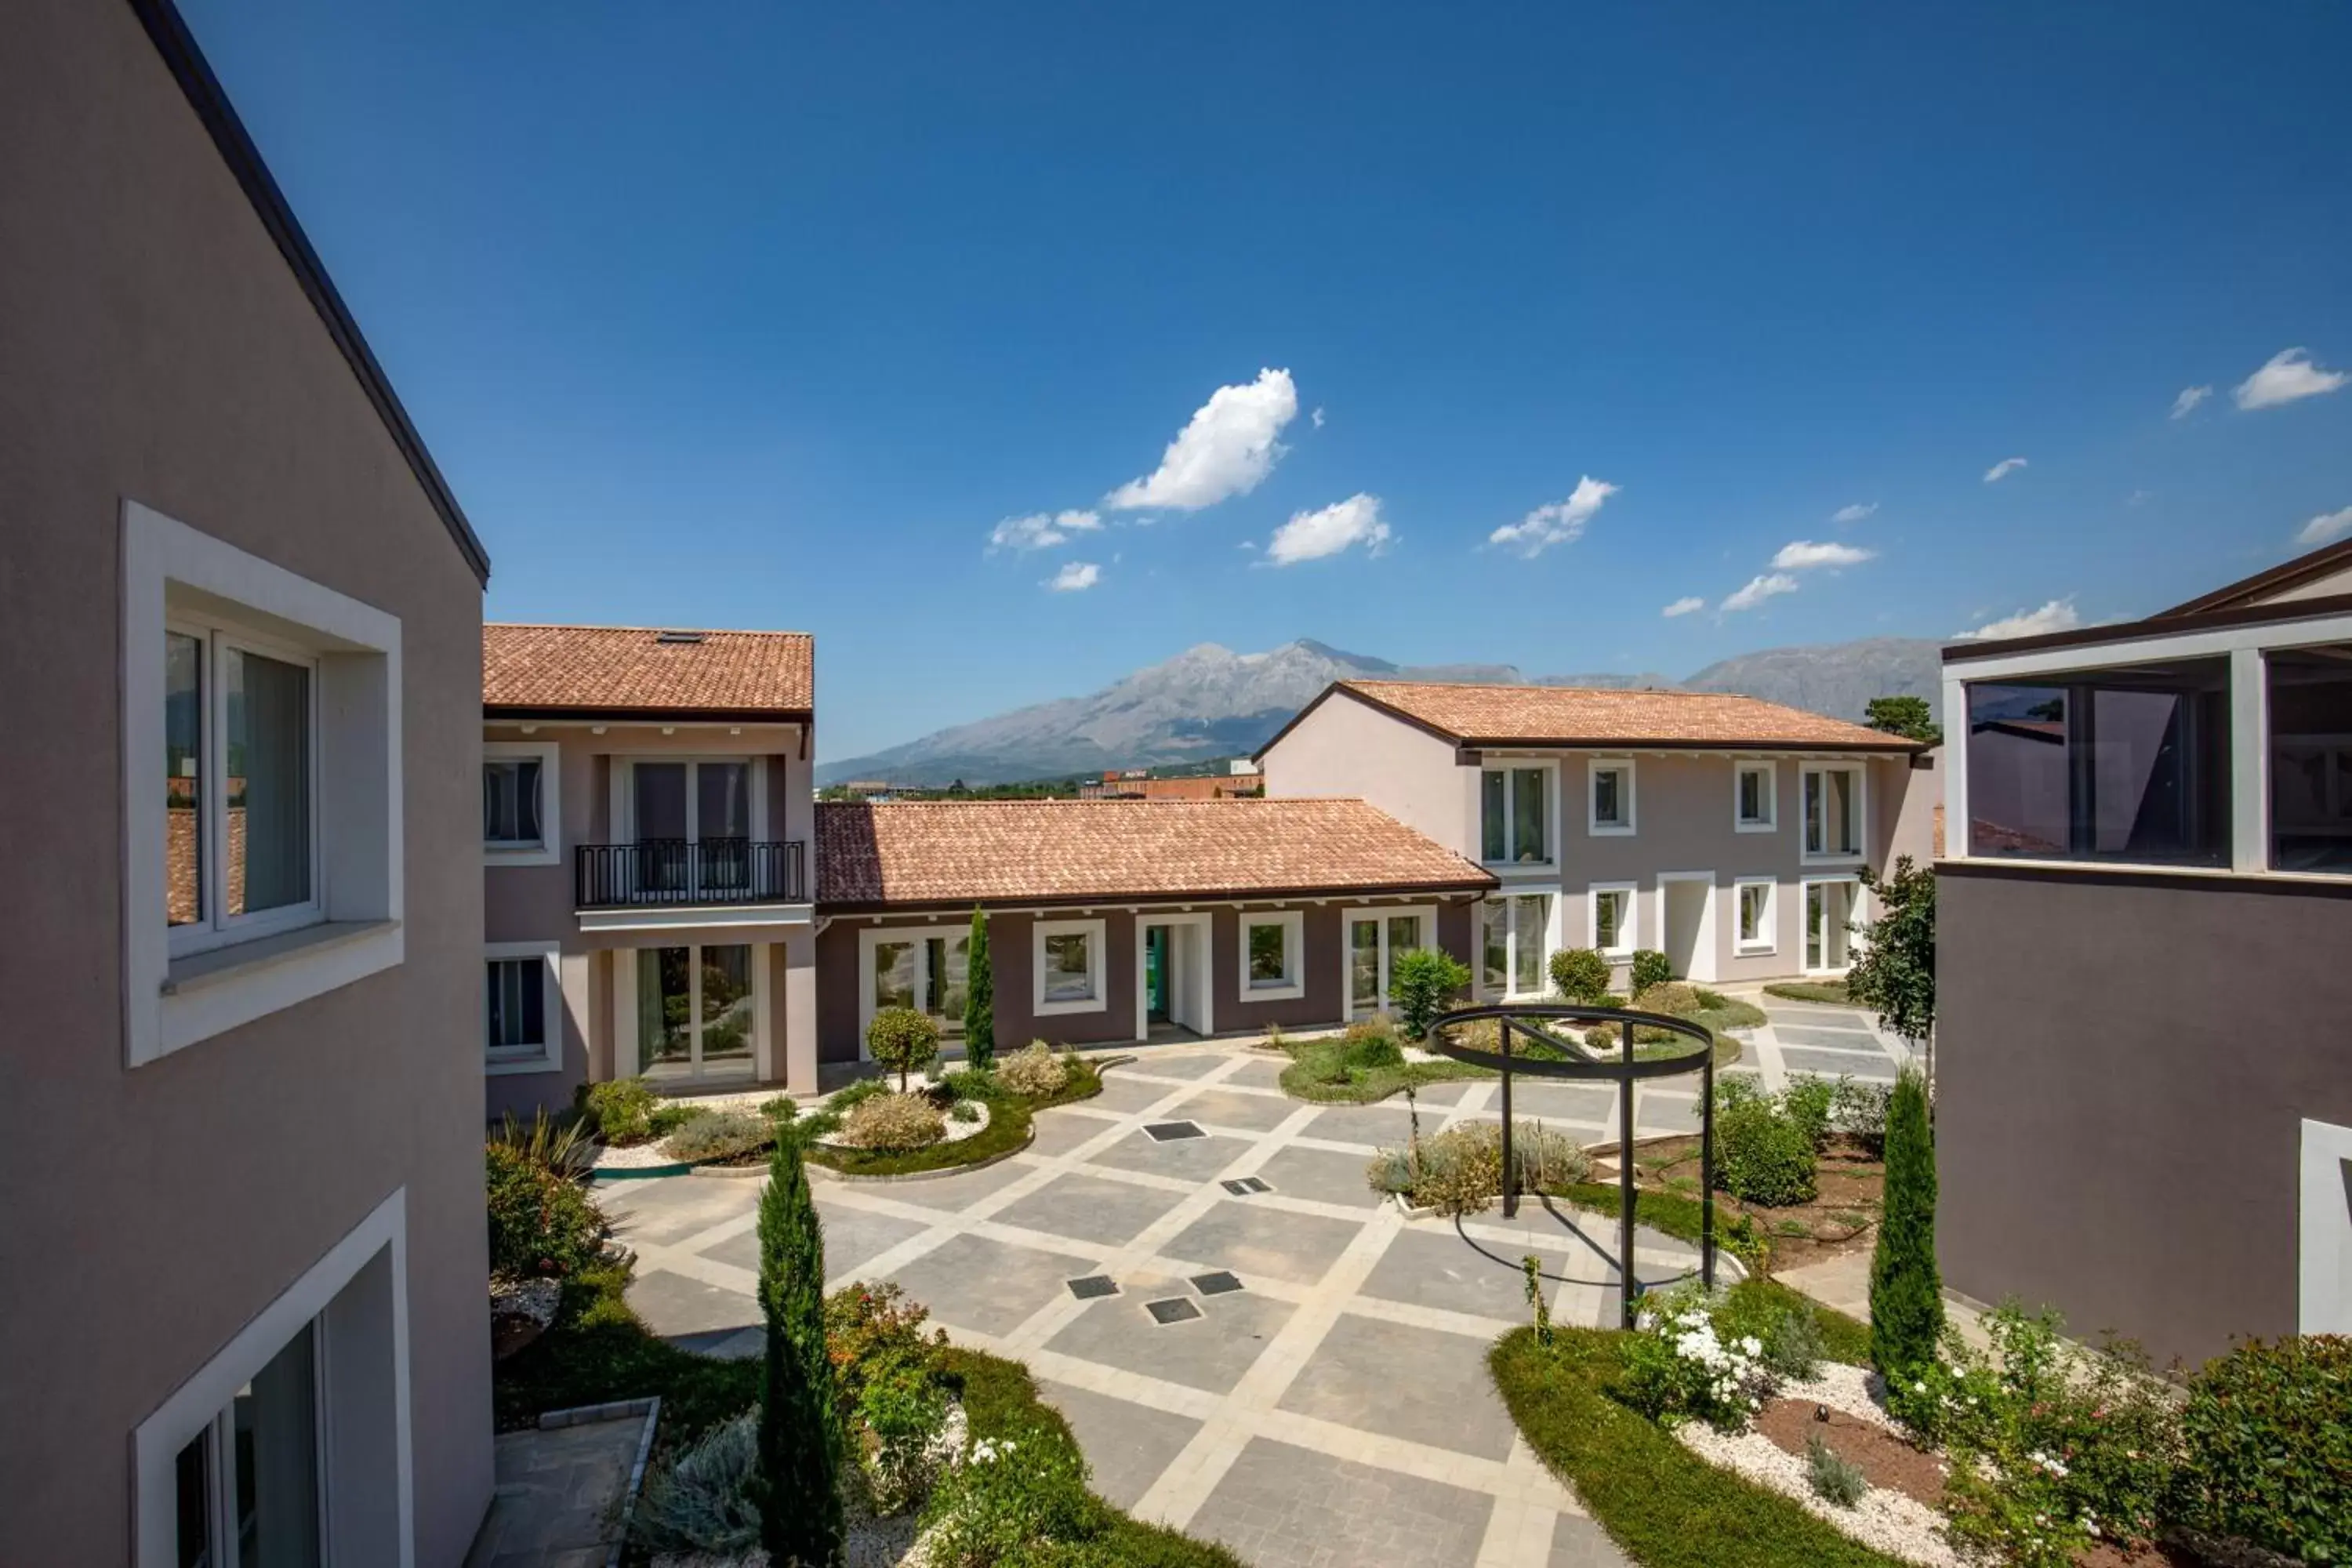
(619,1111)
(1762,1156)
(542,1222)
(2269,1428)
(1425,982)
(1034,1071)
(720,1135)
(902,1039)
(894,1123)
(979,997)
(1649,968)
(800,1421)
(1580,975)
(1907,1291)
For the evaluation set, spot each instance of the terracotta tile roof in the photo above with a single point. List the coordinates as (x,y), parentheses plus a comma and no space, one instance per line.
(1037,851)
(624,668)
(1575,716)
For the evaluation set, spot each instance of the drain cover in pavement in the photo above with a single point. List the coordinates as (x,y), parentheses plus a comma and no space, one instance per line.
(1243,1186)
(1175,1310)
(1162,1131)
(1092,1286)
(1221,1283)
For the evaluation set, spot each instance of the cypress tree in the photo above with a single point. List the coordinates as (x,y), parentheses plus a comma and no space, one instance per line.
(1906,1292)
(799,1429)
(979,998)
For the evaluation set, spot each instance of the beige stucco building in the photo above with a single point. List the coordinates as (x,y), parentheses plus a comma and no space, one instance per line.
(242,1284)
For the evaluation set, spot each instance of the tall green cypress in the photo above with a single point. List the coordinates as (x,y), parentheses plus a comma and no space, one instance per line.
(799,1429)
(979,998)
(1907,1290)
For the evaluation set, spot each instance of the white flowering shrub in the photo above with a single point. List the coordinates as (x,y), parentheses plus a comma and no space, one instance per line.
(1012,1495)
(1684,1364)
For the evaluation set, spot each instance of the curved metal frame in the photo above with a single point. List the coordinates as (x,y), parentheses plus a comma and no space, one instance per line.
(1625,1070)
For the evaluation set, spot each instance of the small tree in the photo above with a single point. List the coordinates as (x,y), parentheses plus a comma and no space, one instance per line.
(1909,716)
(979,998)
(800,1426)
(902,1039)
(1580,975)
(1907,1290)
(1422,982)
(1895,971)
(1650,967)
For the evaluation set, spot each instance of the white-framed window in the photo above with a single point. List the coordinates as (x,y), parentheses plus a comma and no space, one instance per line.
(269,871)
(1752,900)
(1613,914)
(1068,967)
(927,968)
(1833,909)
(522,802)
(1374,939)
(522,1007)
(1271,957)
(1608,797)
(1517,936)
(1518,814)
(1755,797)
(1836,810)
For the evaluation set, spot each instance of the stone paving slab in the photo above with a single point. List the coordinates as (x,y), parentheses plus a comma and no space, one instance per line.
(1406,1383)
(1190,1159)
(1256,1241)
(1280,1504)
(852,1240)
(1854,1039)
(1128,1444)
(1829,1064)
(1322,1174)
(1212,1353)
(555,1493)
(1087,1208)
(971,1282)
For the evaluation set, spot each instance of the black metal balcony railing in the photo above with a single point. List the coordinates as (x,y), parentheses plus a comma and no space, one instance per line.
(658,871)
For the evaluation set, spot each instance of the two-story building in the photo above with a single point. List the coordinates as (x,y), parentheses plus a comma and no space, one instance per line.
(647,817)
(1728,833)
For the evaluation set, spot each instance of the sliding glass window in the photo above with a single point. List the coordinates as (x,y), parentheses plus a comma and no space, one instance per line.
(2310,705)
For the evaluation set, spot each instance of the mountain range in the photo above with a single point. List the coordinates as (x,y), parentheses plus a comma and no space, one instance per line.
(1210,701)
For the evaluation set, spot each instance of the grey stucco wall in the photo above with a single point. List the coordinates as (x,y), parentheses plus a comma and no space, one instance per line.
(157,348)
(2123,1063)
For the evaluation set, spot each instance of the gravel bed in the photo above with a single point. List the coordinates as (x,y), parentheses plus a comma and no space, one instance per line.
(535,1299)
(1885,1520)
(637,1157)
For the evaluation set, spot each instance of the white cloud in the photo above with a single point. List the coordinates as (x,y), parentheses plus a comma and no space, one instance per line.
(2288,376)
(1074,577)
(1042,530)
(2191,396)
(1854,513)
(1318,418)
(2057,615)
(1758,589)
(1226,448)
(1804,554)
(2002,469)
(2328,525)
(1311,535)
(1689,606)
(1555,522)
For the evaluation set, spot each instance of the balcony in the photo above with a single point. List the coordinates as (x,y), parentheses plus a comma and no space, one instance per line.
(679,874)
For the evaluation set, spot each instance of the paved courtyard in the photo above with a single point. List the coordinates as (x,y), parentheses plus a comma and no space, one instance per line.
(1318,1391)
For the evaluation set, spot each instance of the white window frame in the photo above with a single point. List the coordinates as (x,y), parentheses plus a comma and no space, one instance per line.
(1856,914)
(1771,821)
(872,937)
(1507,766)
(628,1048)
(1551,944)
(1383,913)
(1805,854)
(1294,955)
(1593,768)
(182,988)
(1629,930)
(1768,943)
(547,1056)
(1096,932)
(549,849)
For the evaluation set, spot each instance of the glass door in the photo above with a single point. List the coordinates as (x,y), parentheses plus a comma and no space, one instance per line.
(1374,944)
(1828,920)
(248,1485)
(694,1012)
(693,827)
(1155,974)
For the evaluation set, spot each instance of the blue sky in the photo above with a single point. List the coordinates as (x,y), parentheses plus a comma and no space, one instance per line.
(755,315)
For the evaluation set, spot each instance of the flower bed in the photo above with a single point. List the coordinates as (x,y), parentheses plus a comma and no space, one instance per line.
(1003,1125)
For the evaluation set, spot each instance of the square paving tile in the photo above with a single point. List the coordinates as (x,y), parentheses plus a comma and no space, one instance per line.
(1090,1208)
(1829,1064)
(1260,1072)
(673,1304)
(1384,1125)
(852,1238)
(1243,1112)
(667,1210)
(1210,1355)
(951,1193)
(1254,1239)
(1837,1038)
(1323,1175)
(1163,1061)
(1127,1095)
(969,1282)
(1059,1132)
(1661,1111)
(1432,1267)
(1128,1444)
(1577,1542)
(1415,1384)
(1580,1103)
(1190,1159)
(1288,1505)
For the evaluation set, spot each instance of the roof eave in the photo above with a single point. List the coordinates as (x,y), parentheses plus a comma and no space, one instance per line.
(2170,623)
(526,712)
(1466,886)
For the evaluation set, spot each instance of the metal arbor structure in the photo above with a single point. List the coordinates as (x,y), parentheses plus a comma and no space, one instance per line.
(1695,1050)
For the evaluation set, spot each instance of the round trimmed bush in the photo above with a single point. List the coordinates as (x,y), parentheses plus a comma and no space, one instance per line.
(1650,968)
(1371,1043)
(720,1135)
(1033,1070)
(1672,997)
(619,1111)
(1580,975)
(893,1123)
(1763,1156)
(903,1040)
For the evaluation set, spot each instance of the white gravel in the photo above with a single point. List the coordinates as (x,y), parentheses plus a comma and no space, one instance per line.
(534,1299)
(637,1157)
(1885,1520)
